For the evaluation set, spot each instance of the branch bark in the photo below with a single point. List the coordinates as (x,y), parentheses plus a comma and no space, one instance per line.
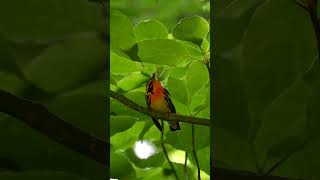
(38,117)
(164,116)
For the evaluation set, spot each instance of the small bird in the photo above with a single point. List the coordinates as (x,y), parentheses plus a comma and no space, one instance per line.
(159,99)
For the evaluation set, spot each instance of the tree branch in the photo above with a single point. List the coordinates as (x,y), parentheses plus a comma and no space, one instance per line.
(165,116)
(38,117)
(195,157)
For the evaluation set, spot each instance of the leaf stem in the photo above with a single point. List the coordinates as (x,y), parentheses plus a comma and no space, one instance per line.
(195,153)
(165,151)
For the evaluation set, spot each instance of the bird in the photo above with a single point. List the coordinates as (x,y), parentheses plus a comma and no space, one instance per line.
(159,99)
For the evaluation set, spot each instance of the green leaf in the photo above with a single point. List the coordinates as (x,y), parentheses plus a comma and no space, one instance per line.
(120,164)
(200,100)
(192,49)
(90,101)
(8,63)
(121,32)
(197,77)
(123,66)
(132,81)
(11,83)
(235,8)
(275,53)
(204,159)
(226,144)
(229,93)
(45,21)
(151,29)
(193,29)
(67,64)
(183,139)
(39,175)
(162,51)
(177,89)
(120,123)
(126,139)
(284,118)
(179,168)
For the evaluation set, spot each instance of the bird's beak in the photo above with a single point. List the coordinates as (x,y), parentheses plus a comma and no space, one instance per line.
(153,76)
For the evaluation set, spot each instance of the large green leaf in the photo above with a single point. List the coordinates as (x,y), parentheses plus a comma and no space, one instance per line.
(7,59)
(151,29)
(43,21)
(277,50)
(126,139)
(132,81)
(120,123)
(12,83)
(183,139)
(229,95)
(284,118)
(193,29)
(197,77)
(120,163)
(68,64)
(177,89)
(90,101)
(235,8)
(227,147)
(204,159)
(121,32)
(123,66)
(162,51)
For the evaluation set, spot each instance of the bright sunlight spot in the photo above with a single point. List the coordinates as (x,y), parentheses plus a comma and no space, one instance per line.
(177,156)
(113,179)
(144,149)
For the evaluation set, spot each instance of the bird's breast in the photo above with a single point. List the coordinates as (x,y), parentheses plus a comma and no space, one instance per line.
(158,103)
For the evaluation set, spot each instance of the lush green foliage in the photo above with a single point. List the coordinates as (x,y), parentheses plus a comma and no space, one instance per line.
(267,98)
(177,53)
(52,52)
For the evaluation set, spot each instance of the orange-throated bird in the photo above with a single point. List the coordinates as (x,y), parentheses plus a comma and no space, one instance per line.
(159,99)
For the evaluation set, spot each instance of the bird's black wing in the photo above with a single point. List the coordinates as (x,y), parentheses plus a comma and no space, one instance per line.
(168,99)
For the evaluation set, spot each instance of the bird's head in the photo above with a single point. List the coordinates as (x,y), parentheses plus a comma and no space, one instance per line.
(154,86)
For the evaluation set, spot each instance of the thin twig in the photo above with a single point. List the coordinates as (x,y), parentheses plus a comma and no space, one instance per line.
(195,153)
(165,151)
(165,116)
(186,165)
(194,147)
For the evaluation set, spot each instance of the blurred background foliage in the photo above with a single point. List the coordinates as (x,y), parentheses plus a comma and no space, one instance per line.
(52,52)
(172,39)
(266,92)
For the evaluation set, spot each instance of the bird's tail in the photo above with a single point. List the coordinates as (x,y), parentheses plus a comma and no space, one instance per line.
(174,126)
